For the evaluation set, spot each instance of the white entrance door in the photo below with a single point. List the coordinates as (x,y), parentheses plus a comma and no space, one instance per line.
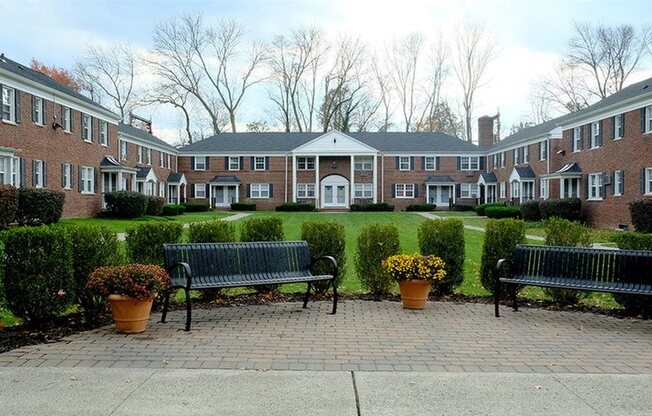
(334,192)
(440,195)
(224,196)
(110,184)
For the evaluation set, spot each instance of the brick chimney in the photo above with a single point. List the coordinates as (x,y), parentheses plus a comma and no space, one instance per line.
(488,130)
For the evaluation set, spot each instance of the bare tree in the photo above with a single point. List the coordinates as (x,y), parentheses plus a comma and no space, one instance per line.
(403,60)
(107,74)
(565,89)
(437,72)
(385,92)
(474,52)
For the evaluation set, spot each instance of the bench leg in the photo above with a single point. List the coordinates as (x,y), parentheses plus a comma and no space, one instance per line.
(306,296)
(334,297)
(166,304)
(497,299)
(188,309)
(514,300)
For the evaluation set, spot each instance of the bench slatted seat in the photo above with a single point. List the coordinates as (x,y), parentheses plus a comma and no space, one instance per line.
(224,265)
(589,269)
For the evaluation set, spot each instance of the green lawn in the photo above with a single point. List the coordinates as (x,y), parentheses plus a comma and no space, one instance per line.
(120,225)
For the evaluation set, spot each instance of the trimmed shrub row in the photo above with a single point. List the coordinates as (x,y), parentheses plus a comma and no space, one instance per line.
(530,210)
(381,206)
(504,211)
(126,204)
(421,207)
(196,206)
(211,232)
(173,210)
(241,206)
(568,208)
(480,209)
(296,207)
(155,205)
(145,241)
(462,207)
(641,212)
(8,205)
(39,206)
(634,305)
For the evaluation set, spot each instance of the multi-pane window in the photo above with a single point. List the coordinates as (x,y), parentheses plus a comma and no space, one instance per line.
(37,110)
(38,173)
(363,190)
(516,189)
(234,162)
(104,133)
(516,157)
(8,104)
(87,129)
(618,126)
(430,163)
(502,189)
(469,190)
(364,162)
(200,163)
(66,180)
(595,135)
(648,181)
(259,190)
(305,190)
(595,185)
(495,160)
(470,163)
(526,154)
(577,139)
(571,188)
(149,156)
(648,119)
(87,179)
(200,190)
(305,163)
(161,189)
(259,163)
(168,159)
(67,121)
(140,154)
(543,188)
(123,150)
(404,163)
(404,190)
(161,157)
(543,150)
(618,182)
(503,159)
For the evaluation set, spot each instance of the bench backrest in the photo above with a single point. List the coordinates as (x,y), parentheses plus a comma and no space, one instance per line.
(600,265)
(238,261)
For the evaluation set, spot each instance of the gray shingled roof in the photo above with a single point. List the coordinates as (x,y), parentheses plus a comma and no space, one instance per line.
(35,76)
(109,161)
(285,142)
(572,167)
(224,179)
(144,136)
(438,179)
(143,172)
(525,172)
(175,177)
(489,177)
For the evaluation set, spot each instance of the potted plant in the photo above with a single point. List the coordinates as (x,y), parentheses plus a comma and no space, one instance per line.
(130,290)
(415,273)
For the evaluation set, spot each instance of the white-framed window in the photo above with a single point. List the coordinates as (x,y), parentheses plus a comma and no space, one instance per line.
(8,104)
(648,119)
(259,162)
(37,110)
(161,157)
(595,186)
(161,189)
(67,121)
(470,163)
(502,189)
(149,156)
(104,133)
(515,156)
(363,162)
(38,173)
(305,190)
(430,163)
(577,139)
(618,182)
(305,163)
(4,169)
(200,163)
(200,190)
(495,160)
(363,190)
(168,158)
(543,150)
(123,150)
(543,188)
(404,162)
(595,135)
(234,162)
(66,180)
(87,128)
(571,188)
(526,154)
(516,189)
(618,126)
(87,180)
(469,190)
(648,181)
(259,190)
(503,159)
(140,153)
(404,190)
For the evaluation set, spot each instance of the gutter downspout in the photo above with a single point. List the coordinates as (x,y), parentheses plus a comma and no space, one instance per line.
(285,185)
(382,177)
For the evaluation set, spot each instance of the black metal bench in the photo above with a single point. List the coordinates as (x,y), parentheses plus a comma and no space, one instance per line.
(223,265)
(588,269)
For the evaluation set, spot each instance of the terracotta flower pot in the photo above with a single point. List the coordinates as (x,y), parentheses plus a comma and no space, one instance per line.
(130,315)
(414,293)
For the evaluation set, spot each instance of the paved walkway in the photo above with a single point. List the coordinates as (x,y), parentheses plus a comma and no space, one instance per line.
(234,217)
(364,336)
(89,392)
(432,216)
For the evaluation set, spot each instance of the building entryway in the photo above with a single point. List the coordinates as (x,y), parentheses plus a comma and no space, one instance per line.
(440,195)
(334,192)
(224,196)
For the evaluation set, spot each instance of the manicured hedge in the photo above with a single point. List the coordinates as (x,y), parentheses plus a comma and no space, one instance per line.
(173,210)
(641,212)
(444,239)
(530,210)
(211,232)
(462,207)
(241,206)
(155,205)
(505,211)
(126,204)
(38,278)
(500,240)
(262,229)
(568,208)
(145,241)
(8,205)
(421,207)
(480,209)
(196,206)
(39,206)
(326,238)
(296,207)
(381,206)
(376,242)
(633,241)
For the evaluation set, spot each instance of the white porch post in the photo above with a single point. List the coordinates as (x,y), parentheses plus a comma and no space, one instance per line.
(294,178)
(427,194)
(352,181)
(185,192)
(453,192)
(375,179)
(237,193)
(179,194)
(561,188)
(210,195)
(317,187)
(119,187)
(133,182)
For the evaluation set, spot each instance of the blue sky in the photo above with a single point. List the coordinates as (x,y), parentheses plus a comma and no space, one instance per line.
(531,34)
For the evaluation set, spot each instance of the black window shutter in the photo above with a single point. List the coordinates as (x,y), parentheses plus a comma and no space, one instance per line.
(521,154)
(94,129)
(622,182)
(643,120)
(482,162)
(192,165)
(572,139)
(459,163)
(458,190)
(423,163)
(72,177)
(79,178)
(72,120)
(208,162)
(393,190)
(96,179)
(411,162)
(81,124)
(45,174)
(266,162)
(581,142)
(63,168)
(622,125)
(61,120)
(33,172)
(44,110)
(18,101)
(226,163)
(271,190)
(252,163)
(416,190)
(613,127)
(603,187)
(108,136)
(398,163)
(586,186)
(601,124)
(241,163)
(643,180)
(23,175)
(248,190)
(437,163)
(33,108)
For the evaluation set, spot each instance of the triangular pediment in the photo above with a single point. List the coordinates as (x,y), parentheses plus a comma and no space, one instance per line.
(334,142)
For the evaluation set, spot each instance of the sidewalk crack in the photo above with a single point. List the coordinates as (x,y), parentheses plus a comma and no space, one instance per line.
(355,392)
(132,392)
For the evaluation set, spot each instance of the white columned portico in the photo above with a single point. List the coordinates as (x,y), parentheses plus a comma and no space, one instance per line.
(375,179)
(317,187)
(294,178)
(352,180)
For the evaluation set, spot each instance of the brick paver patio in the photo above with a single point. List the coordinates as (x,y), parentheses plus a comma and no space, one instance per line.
(363,336)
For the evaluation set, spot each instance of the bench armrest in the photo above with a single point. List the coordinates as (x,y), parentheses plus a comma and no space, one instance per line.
(186,269)
(327,259)
(501,264)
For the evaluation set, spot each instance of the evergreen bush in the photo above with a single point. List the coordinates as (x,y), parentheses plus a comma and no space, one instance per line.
(444,239)
(376,243)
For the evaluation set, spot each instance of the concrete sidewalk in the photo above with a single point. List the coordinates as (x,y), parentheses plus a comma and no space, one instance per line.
(58,391)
